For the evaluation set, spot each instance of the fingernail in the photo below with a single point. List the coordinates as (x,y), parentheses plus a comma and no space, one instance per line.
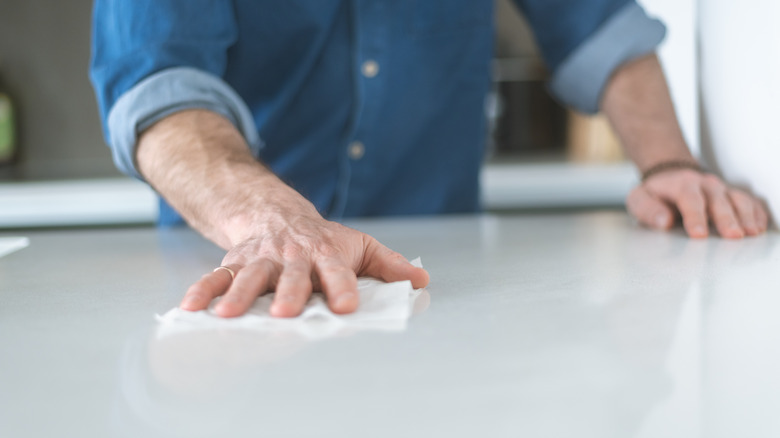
(219,309)
(282,311)
(660,221)
(287,298)
(700,230)
(346,296)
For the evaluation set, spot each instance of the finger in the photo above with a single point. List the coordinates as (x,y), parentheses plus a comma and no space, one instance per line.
(339,283)
(293,289)
(746,211)
(381,262)
(210,286)
(762,217)
(722,212)
(692,206)
(250,282)
(649,210)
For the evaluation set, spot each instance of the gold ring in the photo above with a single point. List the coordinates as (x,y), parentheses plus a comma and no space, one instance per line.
(229,271)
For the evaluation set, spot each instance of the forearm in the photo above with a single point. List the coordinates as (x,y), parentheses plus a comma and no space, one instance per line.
(201,165)
(639,106)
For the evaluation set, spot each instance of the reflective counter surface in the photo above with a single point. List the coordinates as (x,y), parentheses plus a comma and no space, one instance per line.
(560,325)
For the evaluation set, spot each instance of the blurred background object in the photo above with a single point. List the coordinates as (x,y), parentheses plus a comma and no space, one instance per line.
(44,54)
(7,128)
(530,124)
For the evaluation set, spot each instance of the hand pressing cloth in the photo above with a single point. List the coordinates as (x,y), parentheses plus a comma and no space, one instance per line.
(383,306)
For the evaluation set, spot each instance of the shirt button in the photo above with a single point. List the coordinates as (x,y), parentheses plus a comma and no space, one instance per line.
(356,150)
(370,68)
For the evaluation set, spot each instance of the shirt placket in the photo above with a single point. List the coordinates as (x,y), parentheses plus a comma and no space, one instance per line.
(371,29)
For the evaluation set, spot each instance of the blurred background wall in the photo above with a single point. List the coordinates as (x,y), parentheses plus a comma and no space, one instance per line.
(44,56)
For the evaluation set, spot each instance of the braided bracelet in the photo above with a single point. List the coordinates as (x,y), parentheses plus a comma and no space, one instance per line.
(670,165)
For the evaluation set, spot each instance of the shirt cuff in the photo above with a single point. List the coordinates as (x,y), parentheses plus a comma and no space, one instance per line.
(165,93)
(629,34)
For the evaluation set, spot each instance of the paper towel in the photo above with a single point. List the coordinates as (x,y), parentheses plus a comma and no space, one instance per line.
(383,306)
(11,244)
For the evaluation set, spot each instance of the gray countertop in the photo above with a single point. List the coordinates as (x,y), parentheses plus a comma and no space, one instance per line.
(540,326)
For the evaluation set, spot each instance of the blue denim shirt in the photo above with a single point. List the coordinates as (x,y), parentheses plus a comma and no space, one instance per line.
(366,107)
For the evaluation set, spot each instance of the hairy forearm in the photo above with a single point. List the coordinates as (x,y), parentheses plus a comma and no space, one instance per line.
(201,165)
(638,104)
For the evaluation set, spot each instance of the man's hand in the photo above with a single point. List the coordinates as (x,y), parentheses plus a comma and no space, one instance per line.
(295,255)
(275,238)
(698,199)
(637,102)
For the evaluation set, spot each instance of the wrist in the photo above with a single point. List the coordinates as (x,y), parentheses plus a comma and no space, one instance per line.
(263,209)
(671,165)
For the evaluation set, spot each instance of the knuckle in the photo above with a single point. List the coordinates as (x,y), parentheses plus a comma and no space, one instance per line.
(209,282)
(655,212)
(636,203)
(326,250)
(689,177)
(741,199)
(203,283)
(714,184)
(335,269)
(293,252)
(724,218)
(262,267)
(745,206)
(391,257)
(370,241)
(642,211)
(196,290)
(331,274)
(395,256)
(711,179)
(693,196)
(240,296)
(297,271)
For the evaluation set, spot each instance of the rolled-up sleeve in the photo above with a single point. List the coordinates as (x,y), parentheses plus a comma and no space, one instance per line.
(585,42)
(152,58)
(165,93)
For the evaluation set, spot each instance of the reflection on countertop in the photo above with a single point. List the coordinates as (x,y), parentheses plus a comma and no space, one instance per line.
(172,377)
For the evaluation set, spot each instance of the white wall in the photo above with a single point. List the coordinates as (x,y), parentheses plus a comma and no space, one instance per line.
(740,83)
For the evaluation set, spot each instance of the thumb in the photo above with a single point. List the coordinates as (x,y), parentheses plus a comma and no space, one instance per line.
(381,262)
(649,210)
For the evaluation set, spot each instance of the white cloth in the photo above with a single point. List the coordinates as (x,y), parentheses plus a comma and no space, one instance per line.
(11,244)
(383,306)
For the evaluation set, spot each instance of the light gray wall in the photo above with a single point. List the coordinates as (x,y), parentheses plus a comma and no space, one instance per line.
(44,56)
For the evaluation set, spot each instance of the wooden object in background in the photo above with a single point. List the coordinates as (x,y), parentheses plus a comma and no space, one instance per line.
(591,139)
